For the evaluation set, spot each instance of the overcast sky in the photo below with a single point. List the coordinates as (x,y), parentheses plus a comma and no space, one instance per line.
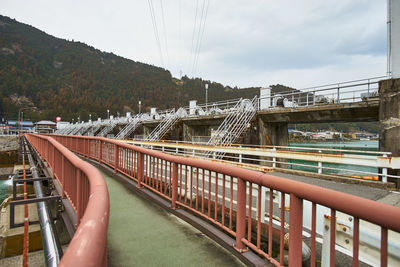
(299,43)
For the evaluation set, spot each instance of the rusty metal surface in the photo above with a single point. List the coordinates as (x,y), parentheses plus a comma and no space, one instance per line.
(88,247)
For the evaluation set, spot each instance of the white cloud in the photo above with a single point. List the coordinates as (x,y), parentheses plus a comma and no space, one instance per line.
(246,43)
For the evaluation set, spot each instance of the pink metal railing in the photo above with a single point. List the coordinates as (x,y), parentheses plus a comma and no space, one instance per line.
(201,187)
(84,187)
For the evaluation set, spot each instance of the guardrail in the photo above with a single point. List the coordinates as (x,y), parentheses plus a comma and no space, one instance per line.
(84,187)
(348,163)
(231,198)
(343,92)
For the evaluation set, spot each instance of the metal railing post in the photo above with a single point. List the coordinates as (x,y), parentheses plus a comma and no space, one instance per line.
(274,158)
(319,164)
(116,157)
(62,175)
(384,172)
(140,169)
(78,197)
(174,185)
(295,231)
(100,151)
(240,214)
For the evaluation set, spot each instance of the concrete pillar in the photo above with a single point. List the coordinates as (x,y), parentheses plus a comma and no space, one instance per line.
(389,120)
(273,133)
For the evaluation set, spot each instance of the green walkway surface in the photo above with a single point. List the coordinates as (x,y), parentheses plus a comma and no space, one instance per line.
(141,233)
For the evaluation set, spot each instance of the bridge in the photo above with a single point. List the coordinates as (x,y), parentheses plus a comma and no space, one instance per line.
(262,213)
(248,197)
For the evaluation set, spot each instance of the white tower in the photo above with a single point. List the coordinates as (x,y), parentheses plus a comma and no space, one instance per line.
(393,25)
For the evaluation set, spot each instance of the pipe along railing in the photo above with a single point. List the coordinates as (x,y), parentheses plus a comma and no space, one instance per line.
(230,198)
(84,187)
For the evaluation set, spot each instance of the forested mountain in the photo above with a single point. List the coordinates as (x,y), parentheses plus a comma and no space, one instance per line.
(69,79)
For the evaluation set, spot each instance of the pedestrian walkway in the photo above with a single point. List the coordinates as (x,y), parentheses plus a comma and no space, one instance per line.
(141,233)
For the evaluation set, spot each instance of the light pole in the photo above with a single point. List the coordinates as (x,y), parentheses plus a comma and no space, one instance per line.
(206,85)
(20,111)
(108,113)
(140,104)
(90,117)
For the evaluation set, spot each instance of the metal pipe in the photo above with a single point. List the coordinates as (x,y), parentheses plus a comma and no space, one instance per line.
(48,233)
(389,38)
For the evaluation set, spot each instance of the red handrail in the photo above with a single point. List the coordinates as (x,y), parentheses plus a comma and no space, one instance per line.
(87,192)
(150,169)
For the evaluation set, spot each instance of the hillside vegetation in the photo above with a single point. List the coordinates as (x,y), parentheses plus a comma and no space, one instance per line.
(71,79)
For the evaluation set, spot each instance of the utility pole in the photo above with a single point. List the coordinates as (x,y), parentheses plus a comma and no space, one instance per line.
(206,85)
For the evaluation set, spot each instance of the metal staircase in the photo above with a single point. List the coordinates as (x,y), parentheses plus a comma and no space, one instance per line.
(166,125)
(84,129)
(72,129)
(234,125)
(129,128)
(108,128)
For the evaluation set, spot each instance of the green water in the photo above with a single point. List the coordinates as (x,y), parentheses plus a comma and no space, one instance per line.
(366,146)
(5,189)
(141,233)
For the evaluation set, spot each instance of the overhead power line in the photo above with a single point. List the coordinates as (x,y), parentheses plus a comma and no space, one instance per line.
(165,32)
(155,29)
(200,34)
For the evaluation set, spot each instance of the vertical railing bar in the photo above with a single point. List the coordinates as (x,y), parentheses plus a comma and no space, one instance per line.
(356,240)
(191,185)
(153,159)
(313,233)
(384,247)
(231,204)
(174,185)
(202,191)
(332,238)
(259,216)
(249,212)
(271,214)
(180,182)
(223,201)
(216,197)
(282,232)
(197,188)
(186,176)
(170,179)
(209,193)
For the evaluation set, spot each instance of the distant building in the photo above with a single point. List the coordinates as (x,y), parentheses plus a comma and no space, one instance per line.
(45,127)
(323,136)
(23,126)
(62,124)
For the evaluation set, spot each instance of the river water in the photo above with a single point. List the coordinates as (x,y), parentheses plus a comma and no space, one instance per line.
(360,145)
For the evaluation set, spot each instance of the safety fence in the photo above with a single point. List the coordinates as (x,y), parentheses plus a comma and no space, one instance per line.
(84,187)
(263,212)
(371,165)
